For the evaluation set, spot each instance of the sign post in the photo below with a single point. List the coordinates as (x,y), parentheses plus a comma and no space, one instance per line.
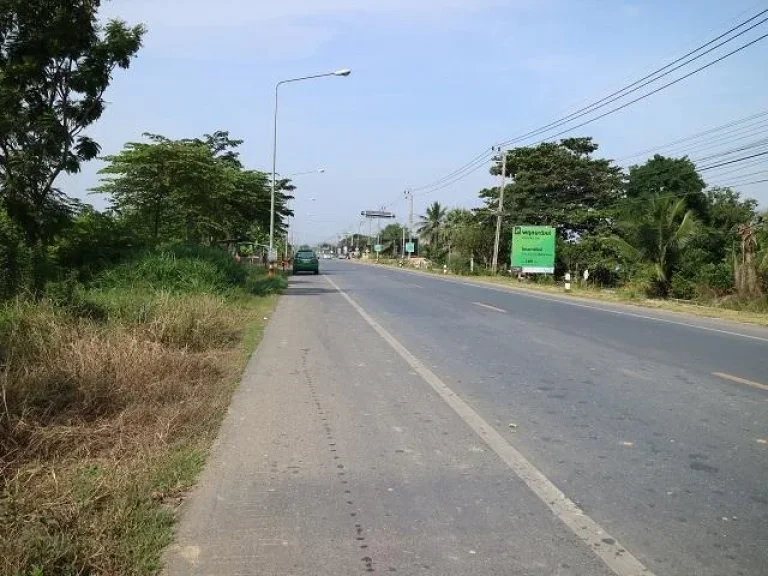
(533,249)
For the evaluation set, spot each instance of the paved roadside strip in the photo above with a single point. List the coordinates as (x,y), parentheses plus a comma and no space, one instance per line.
(336,458)
(606,547)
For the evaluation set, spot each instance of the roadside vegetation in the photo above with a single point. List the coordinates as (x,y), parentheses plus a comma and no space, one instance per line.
(655,231)
(123,331)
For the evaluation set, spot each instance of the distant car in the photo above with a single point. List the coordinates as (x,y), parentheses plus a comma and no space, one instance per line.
(306,261)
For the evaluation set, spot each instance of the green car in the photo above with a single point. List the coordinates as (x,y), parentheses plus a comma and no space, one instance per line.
(306,261)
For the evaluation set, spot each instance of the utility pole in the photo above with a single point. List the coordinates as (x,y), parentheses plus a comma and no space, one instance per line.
(409,195)
(499,215)
(402,254)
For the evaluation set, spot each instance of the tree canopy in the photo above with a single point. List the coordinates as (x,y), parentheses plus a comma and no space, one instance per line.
(56,63)
(194,190)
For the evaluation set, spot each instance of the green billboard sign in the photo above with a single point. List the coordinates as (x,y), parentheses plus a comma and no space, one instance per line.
(533,249)
(410,247)
(377,248)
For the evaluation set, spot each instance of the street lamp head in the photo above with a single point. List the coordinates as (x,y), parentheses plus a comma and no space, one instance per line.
(343,72)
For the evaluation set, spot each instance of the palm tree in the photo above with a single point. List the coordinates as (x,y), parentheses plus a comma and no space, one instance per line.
(657,234)
(431,224)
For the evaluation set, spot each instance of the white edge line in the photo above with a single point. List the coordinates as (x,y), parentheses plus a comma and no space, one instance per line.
(567,302)
(606,547)
(739,380)
(489,307)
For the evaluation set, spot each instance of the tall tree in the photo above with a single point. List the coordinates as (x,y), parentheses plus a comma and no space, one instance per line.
(656,232)
(430,226)
(663,176)
(56,62)
(558,184)
(193,190)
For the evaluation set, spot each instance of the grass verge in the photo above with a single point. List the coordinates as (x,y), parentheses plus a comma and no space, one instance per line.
(753,312)
(111,398)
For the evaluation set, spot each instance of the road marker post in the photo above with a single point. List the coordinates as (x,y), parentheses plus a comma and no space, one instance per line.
(567,281)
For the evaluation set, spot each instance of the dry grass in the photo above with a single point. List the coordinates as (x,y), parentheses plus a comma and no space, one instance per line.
(105,423)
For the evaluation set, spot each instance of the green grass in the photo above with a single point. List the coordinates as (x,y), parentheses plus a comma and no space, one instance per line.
(114,393)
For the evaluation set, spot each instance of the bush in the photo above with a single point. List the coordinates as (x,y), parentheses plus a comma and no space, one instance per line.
(177,269)
(459,264)
(682,288)
(93,241)
(16,262)
(715,278)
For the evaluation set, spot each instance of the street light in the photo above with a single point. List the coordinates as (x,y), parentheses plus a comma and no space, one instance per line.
(343,73)
(318,171)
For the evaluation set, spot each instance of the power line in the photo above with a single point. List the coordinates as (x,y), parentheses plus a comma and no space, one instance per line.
(481,158)
(744,166)
(731,161)
(697,135)
(749,174)
(644,81)
(751,183)
(474,164)
(659,89)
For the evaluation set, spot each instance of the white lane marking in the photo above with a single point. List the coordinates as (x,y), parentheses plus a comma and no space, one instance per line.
(566,302)
(489,307)
(415,286)
(633,374)
(605,546)
(738,380)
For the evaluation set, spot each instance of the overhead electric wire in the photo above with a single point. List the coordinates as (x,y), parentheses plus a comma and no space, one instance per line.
(747,164)
(751,183)
(642,82)
(749,175)
(696,136)
(731,161)
(480,158)
(477,162)
(659,89)
(718,141)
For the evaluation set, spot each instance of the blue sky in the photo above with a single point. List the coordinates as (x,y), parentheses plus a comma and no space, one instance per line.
(434,83)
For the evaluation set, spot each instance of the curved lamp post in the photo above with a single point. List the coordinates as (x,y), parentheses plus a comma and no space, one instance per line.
(343,72)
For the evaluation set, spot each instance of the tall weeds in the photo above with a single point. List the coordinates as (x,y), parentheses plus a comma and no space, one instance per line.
(110,398)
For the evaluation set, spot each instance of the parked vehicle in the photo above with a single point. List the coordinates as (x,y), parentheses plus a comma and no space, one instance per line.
(306,261)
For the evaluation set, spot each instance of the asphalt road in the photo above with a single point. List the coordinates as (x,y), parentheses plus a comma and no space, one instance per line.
(403,423)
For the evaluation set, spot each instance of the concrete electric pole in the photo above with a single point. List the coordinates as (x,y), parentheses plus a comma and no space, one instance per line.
(500,213)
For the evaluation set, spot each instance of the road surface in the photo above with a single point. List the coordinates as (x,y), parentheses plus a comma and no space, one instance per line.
(400,423)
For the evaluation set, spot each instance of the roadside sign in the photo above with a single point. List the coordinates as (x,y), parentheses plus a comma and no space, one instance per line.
(410,247)
(377,214)
(272,256)
(533,249)
(377,248)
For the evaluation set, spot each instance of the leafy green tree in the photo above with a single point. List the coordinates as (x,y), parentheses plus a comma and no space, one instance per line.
(430,228)
(391,239)
(656,232)
(169,189)
(557,184)
(15,259)
(92,241)
(193,190)
(663,176)
(56,62)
